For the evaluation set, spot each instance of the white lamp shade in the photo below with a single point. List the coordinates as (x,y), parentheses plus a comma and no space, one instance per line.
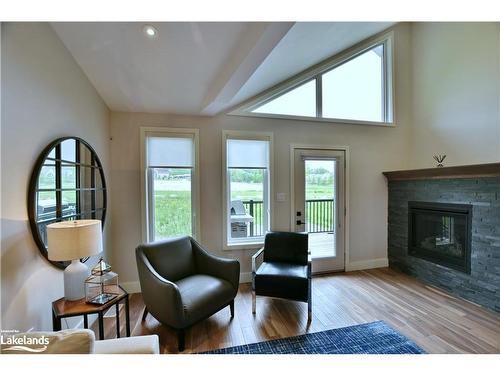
(71,240)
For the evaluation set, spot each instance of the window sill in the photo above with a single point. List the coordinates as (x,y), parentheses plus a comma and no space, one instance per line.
(314,119)
(243,246)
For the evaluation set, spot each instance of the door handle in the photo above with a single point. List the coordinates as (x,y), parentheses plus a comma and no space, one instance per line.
(298,222)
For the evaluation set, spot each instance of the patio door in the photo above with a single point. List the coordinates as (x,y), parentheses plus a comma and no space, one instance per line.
(319,204)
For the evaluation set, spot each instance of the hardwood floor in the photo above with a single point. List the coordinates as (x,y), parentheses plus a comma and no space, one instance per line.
(436,321)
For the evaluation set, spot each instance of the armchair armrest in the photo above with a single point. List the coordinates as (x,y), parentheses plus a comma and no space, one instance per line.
(254,267)
(254,259)
(223,268)
(161,296)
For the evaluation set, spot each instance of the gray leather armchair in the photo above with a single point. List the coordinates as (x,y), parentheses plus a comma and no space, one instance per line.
(182,283)
(285,271)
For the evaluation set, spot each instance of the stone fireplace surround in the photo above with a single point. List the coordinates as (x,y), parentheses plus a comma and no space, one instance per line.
(478,186)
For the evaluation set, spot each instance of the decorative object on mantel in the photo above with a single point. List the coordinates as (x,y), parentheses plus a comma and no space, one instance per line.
(439,159)
(99,284)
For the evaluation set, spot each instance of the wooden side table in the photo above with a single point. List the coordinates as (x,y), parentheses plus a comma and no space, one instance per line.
(65,309)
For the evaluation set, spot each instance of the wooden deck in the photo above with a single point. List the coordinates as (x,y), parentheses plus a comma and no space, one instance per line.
(436,321)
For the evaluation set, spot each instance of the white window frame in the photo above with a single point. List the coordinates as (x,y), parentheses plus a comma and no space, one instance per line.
(316,72)
(146,178)
(254,242)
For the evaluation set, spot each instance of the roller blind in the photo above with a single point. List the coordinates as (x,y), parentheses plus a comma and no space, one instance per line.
(170,152)
(247,153)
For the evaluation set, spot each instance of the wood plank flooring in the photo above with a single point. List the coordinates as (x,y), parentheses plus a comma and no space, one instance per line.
(436,321)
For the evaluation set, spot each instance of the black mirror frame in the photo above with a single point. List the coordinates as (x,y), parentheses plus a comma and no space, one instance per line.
(32,191)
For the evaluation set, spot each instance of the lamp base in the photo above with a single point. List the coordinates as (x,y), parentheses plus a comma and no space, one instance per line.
(74,280)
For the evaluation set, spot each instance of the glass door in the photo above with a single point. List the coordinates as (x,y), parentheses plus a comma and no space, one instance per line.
(319,205)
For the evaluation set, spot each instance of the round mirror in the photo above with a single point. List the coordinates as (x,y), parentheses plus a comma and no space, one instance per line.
(67,183)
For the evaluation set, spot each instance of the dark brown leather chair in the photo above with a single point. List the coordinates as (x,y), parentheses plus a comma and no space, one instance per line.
(285,271)
(182,283)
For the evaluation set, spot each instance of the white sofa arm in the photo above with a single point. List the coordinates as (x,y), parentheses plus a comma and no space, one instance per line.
(128,345)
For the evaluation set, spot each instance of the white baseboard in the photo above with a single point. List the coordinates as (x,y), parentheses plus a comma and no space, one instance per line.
(245,277)
(367,264)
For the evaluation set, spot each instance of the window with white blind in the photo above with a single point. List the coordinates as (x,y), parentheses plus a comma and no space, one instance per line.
(247,166)
(170,181)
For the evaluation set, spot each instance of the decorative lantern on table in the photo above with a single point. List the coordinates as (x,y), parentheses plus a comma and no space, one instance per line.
(101,285)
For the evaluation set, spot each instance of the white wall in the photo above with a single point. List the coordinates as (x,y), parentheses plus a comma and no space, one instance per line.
(45,95)
(455,90)
(373,150)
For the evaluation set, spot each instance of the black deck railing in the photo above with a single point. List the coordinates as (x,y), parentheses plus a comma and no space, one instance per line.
(256,210)
(319,216)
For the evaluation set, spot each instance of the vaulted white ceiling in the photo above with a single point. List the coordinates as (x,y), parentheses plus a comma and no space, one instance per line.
(200,68)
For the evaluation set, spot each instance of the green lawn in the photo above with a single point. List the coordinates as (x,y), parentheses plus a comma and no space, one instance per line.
(322,218)
(173,208)
(313,192)
(172,213)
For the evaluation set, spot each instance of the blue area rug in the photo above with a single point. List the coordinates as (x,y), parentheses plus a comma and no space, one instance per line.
(368,338)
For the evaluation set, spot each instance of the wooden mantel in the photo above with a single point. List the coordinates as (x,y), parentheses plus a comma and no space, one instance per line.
(463,171)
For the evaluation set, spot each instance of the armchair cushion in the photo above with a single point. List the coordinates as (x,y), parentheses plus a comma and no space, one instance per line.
(173,259)
(286,247)
(128,345)
(69,341)
(222,268)
(203,294)
(82,341)
(284,280)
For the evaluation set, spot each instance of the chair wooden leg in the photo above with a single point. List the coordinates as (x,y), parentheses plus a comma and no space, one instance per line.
(254,302)
(181,337)
(145,313)
(231,307)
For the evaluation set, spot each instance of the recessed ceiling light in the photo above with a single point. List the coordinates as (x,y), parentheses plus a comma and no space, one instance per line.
(150,31)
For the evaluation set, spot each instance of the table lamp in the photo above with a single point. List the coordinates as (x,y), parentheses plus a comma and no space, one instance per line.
(73,240)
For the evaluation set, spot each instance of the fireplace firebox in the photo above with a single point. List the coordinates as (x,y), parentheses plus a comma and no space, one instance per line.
(441,233)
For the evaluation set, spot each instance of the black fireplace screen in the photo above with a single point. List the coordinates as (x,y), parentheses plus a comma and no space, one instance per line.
(440,233)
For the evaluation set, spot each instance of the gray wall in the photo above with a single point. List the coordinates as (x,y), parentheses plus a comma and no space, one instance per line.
(45,95)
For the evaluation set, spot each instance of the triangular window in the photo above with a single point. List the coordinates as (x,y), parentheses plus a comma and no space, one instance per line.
(300,101)
(354,87)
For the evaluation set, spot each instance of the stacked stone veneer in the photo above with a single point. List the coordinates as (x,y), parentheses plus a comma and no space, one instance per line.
(482,286)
